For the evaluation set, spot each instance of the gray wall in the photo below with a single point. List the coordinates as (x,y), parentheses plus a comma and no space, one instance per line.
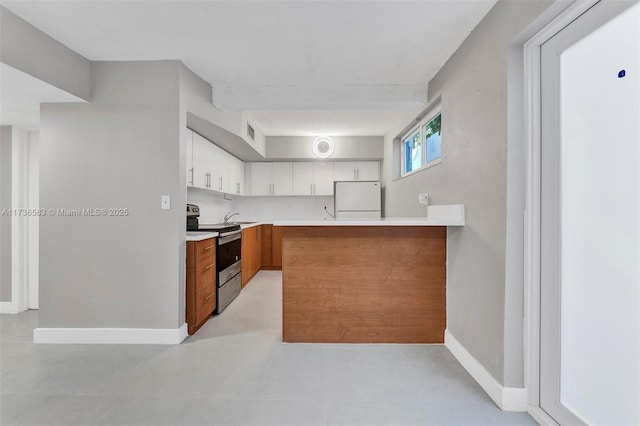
(346,147)
(473,85)
(122,150)
(5,220)
(29,50)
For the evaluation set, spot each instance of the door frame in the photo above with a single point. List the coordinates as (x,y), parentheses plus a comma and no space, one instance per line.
(532,105)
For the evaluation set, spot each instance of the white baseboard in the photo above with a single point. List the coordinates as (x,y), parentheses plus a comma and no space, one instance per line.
(8,308)
(508,399)
(137,336)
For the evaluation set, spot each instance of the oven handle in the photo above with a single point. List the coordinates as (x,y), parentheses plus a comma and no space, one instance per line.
(227,237)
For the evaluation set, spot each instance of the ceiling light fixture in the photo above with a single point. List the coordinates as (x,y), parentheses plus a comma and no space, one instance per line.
(323,147)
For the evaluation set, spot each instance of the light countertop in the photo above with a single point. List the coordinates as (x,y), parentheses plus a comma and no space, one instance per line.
(200,235)
(387,221)
(438,215)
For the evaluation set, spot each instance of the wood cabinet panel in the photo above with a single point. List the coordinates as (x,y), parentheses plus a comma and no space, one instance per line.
(205,303)
(276,246)
(201,283)
(267,257)
(364,284)
(251,253)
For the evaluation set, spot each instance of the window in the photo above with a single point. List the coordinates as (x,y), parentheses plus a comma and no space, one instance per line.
(412,153)
(432,139)
(422,147)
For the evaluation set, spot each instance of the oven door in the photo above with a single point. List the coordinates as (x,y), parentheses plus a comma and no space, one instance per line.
(229,250)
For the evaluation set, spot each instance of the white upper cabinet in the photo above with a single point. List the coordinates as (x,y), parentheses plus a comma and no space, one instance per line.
(236,176)
(271,179)
(282,179)
(303,179)
(202,162)
(189,142)
(210,167)
(361,170)
(368,170)
(260,178)
(220,176)
(312,178)
(322,178)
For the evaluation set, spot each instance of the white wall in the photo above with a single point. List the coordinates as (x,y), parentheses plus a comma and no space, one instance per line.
(600,217)
(213,207)
(5,219)
(473,86)
(121,150)
(274,208)
(15,227)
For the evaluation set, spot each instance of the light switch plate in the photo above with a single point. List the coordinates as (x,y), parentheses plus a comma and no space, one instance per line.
(165,202)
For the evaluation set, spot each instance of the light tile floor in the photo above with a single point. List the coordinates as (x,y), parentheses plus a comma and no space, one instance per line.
(236,371)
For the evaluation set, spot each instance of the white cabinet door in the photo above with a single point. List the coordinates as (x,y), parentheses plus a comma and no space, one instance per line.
(220,175)
(260,178)
(303,178)
(236,176)
(282,179)
(202,161)
(368,170)
(344,171)
(189,142)
(322,178)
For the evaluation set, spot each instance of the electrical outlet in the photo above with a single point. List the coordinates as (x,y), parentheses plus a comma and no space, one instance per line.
(165,202)
(423,198)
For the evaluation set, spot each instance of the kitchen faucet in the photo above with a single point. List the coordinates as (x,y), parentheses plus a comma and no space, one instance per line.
(229,216)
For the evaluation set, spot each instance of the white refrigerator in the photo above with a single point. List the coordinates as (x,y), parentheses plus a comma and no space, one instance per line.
(357,200)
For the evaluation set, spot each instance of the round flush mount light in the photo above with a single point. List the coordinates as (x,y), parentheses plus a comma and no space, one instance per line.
(323,147)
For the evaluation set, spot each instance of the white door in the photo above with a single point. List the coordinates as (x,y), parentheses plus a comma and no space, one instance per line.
(322,178)
(344,171)
(590,219)
(282,179)
(201,161)
(189,142)
(368,170)
(302,178)
(261,178)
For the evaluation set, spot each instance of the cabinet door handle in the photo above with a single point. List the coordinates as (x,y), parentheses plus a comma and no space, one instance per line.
(354,175)
(220,184)
(238,191)
(209,297)
(208,248)
(311,188)
(357,174)
(191,179)
(208,267)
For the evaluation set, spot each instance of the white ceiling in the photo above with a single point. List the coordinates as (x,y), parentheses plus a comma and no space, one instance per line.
(21,95)
(276,55)
(332,122)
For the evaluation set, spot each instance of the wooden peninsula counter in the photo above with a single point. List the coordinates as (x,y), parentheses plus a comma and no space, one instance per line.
(366,281)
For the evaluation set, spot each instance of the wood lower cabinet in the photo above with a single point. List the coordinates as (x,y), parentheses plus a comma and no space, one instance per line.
(251,253)
(201,282)
(271,247)
(276,247)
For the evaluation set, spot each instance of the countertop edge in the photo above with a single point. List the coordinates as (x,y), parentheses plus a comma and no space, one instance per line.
(200,236)
(424,222)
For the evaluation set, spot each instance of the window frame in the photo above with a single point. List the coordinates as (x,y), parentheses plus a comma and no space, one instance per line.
(403,156)
(433,113)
